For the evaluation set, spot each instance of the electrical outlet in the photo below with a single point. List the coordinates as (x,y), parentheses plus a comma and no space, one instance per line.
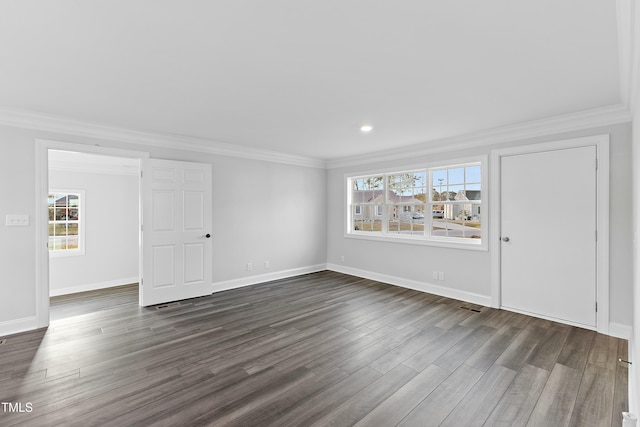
(267,264)
(441,275)
(435,275)
(249,266)
(342,258)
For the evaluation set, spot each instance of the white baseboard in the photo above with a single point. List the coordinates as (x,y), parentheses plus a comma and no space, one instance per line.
(261,278)
(620,330)
(16,326)
(444,291)
(93,286)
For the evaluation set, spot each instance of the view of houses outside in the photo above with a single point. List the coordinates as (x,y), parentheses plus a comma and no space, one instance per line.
(396,203)
(63,221)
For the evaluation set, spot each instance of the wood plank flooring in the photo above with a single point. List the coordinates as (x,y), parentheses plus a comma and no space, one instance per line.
(314,350)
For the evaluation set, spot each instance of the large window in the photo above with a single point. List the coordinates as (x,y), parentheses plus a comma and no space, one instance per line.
(65,214)
(440,204)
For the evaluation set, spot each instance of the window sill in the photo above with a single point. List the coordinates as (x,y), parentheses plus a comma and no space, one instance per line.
(467,244)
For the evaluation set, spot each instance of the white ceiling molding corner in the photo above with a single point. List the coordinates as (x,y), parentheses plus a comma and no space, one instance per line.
(606,116)
(49,123)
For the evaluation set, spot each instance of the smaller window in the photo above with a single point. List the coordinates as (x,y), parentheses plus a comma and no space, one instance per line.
(65,218)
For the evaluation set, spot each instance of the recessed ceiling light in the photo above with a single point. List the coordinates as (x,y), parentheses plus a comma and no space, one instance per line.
(366,128)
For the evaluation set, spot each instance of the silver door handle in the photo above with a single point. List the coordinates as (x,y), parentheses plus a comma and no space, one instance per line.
(505,239)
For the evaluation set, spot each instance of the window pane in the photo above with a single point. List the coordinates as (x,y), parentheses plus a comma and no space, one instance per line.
(473,174)
(456,192)
(459,220)
(440,179)
(72,242)
(357,195)
(473,194)
(59,243)
(73,200)
(60,229)
(61,214)
(367,223)
(367,190)
(409,219)
(73,214)
(456,176)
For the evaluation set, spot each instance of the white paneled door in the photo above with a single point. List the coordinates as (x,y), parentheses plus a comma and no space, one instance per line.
(548,234)
(176,236)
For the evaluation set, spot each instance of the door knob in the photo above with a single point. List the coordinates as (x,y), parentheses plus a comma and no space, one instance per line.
(505,239)
(207,235)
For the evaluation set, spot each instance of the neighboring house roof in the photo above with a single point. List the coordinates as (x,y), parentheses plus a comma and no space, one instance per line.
(369,196)
(469,195)
(62,201)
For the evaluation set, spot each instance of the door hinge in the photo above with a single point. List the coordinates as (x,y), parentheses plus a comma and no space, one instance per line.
(596,235)
(140,174)
(596,164)
(596,307)
(141,282)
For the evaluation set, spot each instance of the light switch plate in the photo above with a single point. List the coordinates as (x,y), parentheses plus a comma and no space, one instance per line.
(17,220)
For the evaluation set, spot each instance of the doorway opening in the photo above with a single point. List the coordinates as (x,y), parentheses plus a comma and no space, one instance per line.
(87,222)
(93,226)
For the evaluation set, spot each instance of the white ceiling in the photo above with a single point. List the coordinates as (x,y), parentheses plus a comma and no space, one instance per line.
(301,77)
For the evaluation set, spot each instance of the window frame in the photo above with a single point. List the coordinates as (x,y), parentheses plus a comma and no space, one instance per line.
(426,238)
(80,250)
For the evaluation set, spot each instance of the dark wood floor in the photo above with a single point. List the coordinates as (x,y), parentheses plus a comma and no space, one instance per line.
(321,349)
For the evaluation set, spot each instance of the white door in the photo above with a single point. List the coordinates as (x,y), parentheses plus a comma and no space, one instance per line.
(548,232)
(176,222)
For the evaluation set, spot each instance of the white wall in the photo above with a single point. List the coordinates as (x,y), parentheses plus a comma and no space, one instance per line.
(110,210)
(262,211)
(467,272)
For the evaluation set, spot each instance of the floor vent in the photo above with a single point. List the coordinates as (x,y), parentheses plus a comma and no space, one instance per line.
(475,310)
(3,342)
(171,304)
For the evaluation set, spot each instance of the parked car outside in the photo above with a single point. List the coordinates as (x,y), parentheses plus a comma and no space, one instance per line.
(412,216)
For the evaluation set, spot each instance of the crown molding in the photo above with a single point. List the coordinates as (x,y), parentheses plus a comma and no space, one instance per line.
(605,116)
(49,123)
